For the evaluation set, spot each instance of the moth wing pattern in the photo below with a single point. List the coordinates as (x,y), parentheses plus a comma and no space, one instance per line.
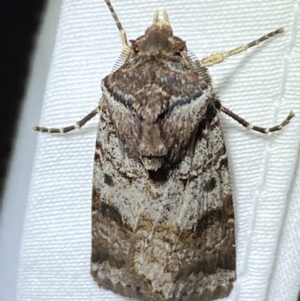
(173,241)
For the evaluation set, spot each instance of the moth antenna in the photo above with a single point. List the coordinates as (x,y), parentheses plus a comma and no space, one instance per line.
(125,44)
(218,58)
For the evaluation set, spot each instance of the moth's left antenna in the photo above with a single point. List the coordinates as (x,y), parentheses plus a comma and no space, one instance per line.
(119,25)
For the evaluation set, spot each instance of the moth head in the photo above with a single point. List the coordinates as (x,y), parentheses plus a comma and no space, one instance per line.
(158,39)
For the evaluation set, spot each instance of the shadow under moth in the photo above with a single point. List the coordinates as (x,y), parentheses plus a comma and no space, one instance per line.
(162,210)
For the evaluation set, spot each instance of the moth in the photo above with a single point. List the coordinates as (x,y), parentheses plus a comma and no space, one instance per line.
(162,210)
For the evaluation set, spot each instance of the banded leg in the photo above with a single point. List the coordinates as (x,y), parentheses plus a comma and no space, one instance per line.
(218,58)
(66,129)
(126,47)
(249,126)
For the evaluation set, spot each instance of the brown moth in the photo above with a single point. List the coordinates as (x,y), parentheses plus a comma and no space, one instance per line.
(162,210)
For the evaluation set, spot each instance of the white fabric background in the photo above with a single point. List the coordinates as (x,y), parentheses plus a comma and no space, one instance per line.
(16,188)
(261,85)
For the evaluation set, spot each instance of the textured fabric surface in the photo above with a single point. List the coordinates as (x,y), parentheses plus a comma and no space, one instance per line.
(261,85)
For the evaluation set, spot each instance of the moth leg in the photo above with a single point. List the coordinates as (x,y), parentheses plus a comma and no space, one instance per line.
(66,129)
(125,44)
(218,58)
(249,126)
